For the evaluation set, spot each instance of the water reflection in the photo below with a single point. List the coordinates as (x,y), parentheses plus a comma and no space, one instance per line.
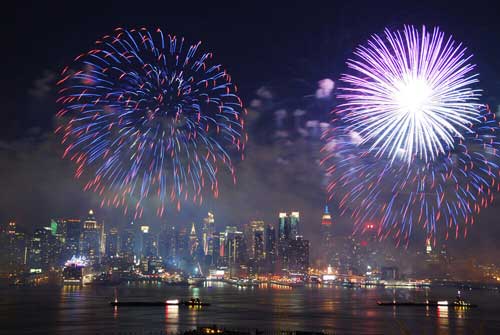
(171,319)
(83,310)
(442,317)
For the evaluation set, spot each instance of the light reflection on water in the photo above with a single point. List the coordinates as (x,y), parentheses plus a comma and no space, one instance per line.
(171,319)
(81,310)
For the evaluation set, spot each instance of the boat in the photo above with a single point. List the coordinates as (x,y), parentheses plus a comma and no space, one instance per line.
(428,303)
(196,280)
(74,271)
(173,302)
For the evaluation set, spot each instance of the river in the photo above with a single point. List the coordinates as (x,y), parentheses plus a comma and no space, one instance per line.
(85,310)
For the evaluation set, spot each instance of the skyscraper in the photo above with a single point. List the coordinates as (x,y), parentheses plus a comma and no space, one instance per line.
(258,246)
(214,250)
(298,255)
(294,224)
(288,226)
(283,226)
(208,230)
(167,245)
(193,241)
(236,250)
(327,247)
(112,243)
(73,234)
(90,243)
(127,244)
(16,248)
(149,243)
(254,229)
(270,245)
(222,249)
(39,250)
(182,251)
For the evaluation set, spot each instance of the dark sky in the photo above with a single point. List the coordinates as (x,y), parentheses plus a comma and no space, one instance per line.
(258,42)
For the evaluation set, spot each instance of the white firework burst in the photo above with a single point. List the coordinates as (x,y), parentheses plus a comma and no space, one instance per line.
(411,94)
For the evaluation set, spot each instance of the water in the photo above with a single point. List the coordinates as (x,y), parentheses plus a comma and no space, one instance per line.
(65,310)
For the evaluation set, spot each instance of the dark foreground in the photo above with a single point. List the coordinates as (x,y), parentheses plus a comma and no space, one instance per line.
(262,310)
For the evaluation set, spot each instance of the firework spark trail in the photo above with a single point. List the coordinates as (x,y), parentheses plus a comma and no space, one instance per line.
(147,116)
(441,197)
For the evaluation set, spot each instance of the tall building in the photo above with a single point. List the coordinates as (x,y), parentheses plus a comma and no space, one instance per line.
(39,251)
(254,230)
(288,225)
(283,226)
(58,228)
(167,244)
(327,248)
(193,241)
(298,255)
(182,251)
(294,224)
(236,250)
(112,243)
(288,230)
(258,245)
(149,243)
(270,246)
(208,231)
(127,244)
(222,249)
(214,250)
(90,242)
(15,247)
(74,229)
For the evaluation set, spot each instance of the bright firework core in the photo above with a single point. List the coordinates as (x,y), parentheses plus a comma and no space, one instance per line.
(413,98)
(410,94)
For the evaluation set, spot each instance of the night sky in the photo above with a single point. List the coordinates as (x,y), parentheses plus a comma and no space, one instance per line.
(259,44)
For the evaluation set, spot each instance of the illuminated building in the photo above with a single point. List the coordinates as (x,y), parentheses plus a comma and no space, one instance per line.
(288,229)
(149,243)
(39,250)
(208,231)
(298,255)
(214,249)
(222,248)
(90,243)
(326,219)
(74,229)
(167,244)
(270,248)
(16,248)
(254,238)
(127,244)
(182,251)
(258,245)
(327,248)
(193,241)
(294,224)
(112,243)
(235,249)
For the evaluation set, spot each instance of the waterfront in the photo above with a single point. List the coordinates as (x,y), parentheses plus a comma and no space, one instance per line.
(85,310)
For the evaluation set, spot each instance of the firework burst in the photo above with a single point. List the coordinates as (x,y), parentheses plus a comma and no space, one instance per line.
(147,116)
(410,94)
(410,147)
